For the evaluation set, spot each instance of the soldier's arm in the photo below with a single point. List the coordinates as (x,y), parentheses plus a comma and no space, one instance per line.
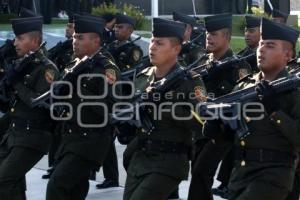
(289,124)
(44,77)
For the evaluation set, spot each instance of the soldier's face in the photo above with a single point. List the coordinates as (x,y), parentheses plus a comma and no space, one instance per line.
(252,36)
(162,51)
(85,44)
(272,55)
(25,43)
(216,41)
(123,31)
(69,30)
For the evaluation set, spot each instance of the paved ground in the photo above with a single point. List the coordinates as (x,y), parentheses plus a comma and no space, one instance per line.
(36,186)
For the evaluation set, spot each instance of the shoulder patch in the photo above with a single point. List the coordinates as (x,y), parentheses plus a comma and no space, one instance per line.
(200,93)
(110,75)
(49,75)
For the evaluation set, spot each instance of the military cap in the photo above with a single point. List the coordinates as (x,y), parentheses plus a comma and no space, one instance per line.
(252,22)
(25,25)
(24,13)
(88,24)
(124,19)
(184,18)
(217,22)
(108,17)
(167,28)
(274,31)
(277,13)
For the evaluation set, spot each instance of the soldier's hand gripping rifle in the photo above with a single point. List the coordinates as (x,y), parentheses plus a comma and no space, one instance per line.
(17,70)
(231,104)
(57,87)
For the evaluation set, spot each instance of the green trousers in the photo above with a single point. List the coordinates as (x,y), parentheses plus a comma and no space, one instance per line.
(152,186)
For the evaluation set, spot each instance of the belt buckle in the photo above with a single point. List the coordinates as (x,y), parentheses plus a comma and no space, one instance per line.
(261,155)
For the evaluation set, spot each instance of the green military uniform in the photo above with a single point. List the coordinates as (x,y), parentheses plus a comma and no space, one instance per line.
(190,52)
(208,153)
(159,158)
(62,54)
(277,135)
(82,148)
(125,53)
(266,158)
(159,166)
(253,63)
(27,138)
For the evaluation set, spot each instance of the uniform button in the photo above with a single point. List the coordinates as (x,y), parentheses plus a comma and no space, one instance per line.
(81,100)
(243,143)
(13,125)
(84,134)
(12,110)
(27,128)
(243,163)
(84,85)
(70,131)
(278,121)
(143,130)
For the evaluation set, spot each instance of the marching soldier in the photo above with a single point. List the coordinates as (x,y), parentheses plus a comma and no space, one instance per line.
(158,160)
(266,159)
(109,33)
(190,51)
(252,36)
(86,134)
(126,53)
(62,53)
(27,138)
(208,153)
(279,16)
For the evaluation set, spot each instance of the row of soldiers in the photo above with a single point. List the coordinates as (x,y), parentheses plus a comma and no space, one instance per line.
(157,158)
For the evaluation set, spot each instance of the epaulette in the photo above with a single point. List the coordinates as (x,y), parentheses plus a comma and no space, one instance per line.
(247,78)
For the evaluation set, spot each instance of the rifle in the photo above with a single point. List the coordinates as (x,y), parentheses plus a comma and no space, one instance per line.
(215,67)
(122,47)
(131,73)
(172,80)
(17,70)
(45,100)
(230,103)
(55,51)
(162,86)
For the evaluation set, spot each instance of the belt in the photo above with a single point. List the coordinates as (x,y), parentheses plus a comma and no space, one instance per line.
(28,124)
(265,155)
(162,146)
